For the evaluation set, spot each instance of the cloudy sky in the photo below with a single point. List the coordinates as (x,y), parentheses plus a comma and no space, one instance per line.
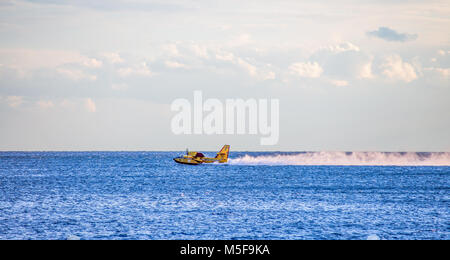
(101,75)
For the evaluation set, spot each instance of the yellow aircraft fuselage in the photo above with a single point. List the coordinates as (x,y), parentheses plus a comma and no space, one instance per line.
(195,158)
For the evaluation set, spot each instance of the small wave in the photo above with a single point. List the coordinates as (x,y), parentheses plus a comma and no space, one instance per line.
(73,237)
(373,237)
(348,158)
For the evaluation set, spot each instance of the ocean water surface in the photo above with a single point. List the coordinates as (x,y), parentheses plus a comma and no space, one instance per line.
(145,195)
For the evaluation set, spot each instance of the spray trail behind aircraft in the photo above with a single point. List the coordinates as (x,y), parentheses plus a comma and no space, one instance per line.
(347,158)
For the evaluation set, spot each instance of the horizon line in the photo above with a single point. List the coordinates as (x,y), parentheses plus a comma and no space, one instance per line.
(283,151)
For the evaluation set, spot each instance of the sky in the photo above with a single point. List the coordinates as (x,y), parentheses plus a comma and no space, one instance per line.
(101,75)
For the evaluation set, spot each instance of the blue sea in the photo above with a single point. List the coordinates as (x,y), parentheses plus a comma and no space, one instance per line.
(145,195)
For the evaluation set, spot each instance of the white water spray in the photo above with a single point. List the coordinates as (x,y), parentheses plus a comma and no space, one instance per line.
(348,158)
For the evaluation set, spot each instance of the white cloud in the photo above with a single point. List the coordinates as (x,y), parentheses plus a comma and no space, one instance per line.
(306,69)
(137,70)
(253,71)
(29,59)
(344,60)
(443,53)
(66,103)
(339,83)
(90,105)
(75,74)
(91,63)
(444,72)
(395,68)
(260,72)
(263,74)
(366,71)
(14,101)
(200,51)
(225,56)
(113,57)
(171,49)
(441,71)
(45,104)
(267,75)
(247,66)
(342,47)
(175,65)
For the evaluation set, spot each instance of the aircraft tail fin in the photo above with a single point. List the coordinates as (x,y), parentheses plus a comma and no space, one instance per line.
(222,155)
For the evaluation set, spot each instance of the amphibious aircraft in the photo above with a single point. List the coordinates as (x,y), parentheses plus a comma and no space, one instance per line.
(195,158)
